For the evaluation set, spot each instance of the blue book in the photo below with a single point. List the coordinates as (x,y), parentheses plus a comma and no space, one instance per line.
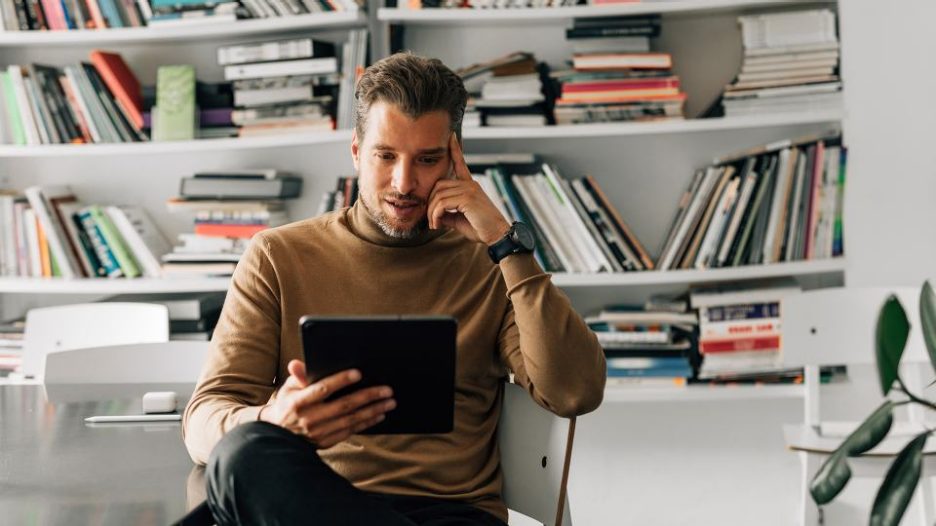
(111,13)
(104,254)
(668,372)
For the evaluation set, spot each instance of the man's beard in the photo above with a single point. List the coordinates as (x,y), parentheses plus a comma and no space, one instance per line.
(380,218)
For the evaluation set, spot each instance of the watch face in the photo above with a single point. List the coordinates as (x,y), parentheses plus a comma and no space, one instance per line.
(523,236)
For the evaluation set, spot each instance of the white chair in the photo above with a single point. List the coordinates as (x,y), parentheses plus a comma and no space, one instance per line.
(837,327)
(54,329)
(164,362)
(535,450)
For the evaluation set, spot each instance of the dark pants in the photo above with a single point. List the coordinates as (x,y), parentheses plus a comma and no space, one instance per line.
(263,474)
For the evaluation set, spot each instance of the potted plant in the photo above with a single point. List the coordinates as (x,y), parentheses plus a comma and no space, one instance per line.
(902,477)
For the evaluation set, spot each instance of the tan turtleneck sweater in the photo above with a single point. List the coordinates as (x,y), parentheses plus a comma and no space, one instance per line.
(510,316)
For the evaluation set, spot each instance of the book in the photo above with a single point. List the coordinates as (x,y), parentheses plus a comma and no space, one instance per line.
(175,103)
(115,242)
(122,83)
(41,201)
(274,51)
(312,66)
(236,188)
(141,236)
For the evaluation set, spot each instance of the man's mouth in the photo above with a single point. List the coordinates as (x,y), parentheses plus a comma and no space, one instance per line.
(402,208)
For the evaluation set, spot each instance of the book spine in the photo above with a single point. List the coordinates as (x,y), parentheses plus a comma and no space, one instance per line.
(115,243)
(76,106)
(52,231)
(80,102)
(96,237)
(754,343)
(135,244)
(113,116)
(25,108)
(543,252)
(95,267)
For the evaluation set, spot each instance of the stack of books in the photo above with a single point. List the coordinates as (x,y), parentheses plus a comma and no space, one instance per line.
(165,13)
(227,208)
(739,331)
(577,229)
(506,91)
(192,315)
(647,345)
(287,86)
(782,202)
(49,233)
(214,103)
(11,345)
(95,102)
(615,77)
(791,62)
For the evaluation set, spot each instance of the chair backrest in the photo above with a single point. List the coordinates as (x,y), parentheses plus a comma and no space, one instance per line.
(535,450)
(65,327)
(837,327)
(164,362)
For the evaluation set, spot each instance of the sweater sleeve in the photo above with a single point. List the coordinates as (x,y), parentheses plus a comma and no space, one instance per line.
(238,376)
(551,351)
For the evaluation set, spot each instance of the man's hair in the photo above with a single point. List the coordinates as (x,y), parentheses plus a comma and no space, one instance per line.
(415,85)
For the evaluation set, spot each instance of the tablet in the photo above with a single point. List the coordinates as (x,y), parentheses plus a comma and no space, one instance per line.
(414,355)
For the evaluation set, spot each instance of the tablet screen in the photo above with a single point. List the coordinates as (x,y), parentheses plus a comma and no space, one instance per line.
(413,355)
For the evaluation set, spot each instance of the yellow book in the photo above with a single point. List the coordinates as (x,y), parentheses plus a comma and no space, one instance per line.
(44,252)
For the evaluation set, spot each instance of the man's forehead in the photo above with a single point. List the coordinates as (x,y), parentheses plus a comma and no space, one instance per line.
(389,128)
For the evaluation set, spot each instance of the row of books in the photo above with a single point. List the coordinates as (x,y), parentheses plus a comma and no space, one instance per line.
(767,205)
(95,102)
(502,4)
(653,344)
(507,91)
(790,64)
(577,229)
(48,232)
(227,209)
(287,86)
(38,15)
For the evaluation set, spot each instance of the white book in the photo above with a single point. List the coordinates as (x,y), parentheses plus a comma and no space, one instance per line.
(23,265)
(790,74)
(580,232)
(44,136)
(67,210)
(39,202)
(311,66)
(562,225)
(543,219)
(717,223)
(603,246)
(778,207)
(265,51)
(793,212)
(491,191)
(143,239)
(752,60)
(792,49)
(7,237)
(98,134)
(787,66)
(25,108)
(788,28)
(830,192)
(32,243)
(747,189)
(711,177)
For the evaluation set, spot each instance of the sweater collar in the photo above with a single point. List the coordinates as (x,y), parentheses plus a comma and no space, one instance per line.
(363,226)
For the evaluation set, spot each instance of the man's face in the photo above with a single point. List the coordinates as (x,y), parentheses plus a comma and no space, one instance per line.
(398,161)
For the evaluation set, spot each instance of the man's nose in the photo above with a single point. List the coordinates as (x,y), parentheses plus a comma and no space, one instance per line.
(404,178)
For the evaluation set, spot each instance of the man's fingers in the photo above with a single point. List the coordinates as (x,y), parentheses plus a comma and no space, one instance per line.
(436,207)
(343,435)
(322,389)
(458,158)
(347,405)
(351,421)
(297,373)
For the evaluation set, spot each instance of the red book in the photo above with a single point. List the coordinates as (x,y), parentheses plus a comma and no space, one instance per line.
(618,84)
(55,15)
(221,230)
(760,343)
(122,83)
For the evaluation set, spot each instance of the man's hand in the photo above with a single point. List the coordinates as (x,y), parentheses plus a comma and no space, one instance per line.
(461,203)
(301,407)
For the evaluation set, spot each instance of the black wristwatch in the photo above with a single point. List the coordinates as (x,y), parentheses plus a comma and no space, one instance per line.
(518,240)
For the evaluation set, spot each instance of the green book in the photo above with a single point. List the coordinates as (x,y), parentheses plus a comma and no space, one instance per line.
(115,243)
(174,115)
(9,98)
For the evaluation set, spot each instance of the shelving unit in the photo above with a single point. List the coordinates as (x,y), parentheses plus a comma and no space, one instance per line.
(540,15)
(250,27)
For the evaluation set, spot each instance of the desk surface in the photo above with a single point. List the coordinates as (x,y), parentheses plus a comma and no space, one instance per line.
(56,469)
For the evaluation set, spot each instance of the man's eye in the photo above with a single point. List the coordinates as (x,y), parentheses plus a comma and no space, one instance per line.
(385,156)
(429,160)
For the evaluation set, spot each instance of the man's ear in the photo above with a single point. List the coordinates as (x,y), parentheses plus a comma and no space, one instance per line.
(355,151)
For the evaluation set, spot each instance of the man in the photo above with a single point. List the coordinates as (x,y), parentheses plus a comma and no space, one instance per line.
(416,242)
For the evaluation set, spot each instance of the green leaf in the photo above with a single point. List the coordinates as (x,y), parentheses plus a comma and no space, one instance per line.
(871,431)
(928,320)
(830,479)
(897,489)
(890,338)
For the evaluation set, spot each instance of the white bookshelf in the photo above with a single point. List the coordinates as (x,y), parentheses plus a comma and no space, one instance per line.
(175,147)
(701,393)
(208,31)
(816,268)
(652,127)
(436,16)
(622,279)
